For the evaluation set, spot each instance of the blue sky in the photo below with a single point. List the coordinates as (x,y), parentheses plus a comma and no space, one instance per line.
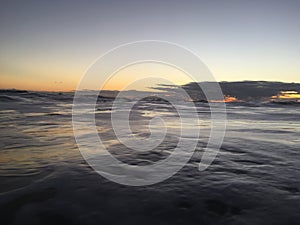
(49,44)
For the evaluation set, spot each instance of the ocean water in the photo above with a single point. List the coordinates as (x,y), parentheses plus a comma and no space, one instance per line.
(255,178)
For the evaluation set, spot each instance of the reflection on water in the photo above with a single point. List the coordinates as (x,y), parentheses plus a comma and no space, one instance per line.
(254,179)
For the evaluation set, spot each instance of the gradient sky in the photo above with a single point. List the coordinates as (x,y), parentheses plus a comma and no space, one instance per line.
(48,45)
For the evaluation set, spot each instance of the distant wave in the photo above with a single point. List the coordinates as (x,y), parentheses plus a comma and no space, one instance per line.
(67,97)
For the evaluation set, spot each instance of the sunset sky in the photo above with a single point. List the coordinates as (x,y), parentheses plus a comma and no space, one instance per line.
(48,45)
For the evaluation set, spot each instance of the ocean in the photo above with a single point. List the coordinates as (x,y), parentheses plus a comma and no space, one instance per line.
(255,178)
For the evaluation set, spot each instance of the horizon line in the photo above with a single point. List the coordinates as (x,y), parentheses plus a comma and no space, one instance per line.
(65,91)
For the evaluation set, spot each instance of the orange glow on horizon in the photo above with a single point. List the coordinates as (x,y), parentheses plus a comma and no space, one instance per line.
(37,86)
(227,98)
(286,95)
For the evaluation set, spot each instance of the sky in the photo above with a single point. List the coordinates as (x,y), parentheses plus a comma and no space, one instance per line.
(48,45)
